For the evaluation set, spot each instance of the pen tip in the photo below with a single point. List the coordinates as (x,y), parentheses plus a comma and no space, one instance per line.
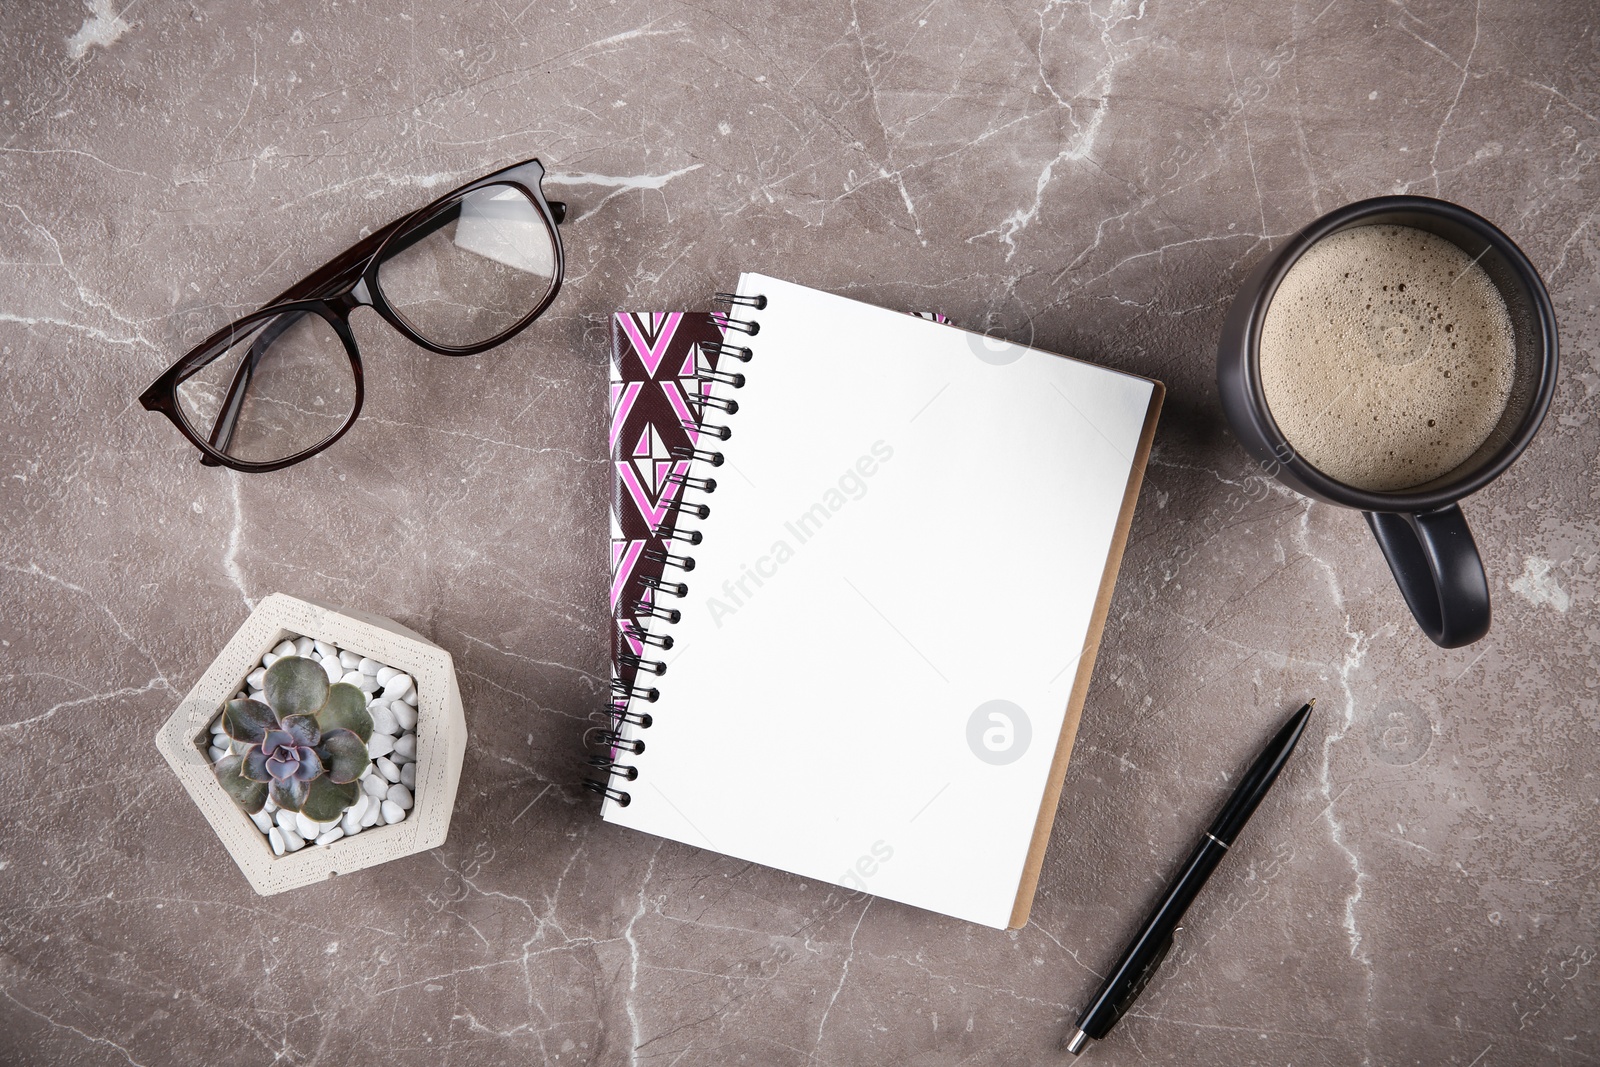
(1311,703)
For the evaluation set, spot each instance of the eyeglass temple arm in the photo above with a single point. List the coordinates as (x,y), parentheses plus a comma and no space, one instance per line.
(233,403)
(558,211)
(341,271)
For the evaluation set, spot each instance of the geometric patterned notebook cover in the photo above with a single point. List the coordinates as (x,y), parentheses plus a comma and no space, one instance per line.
(654,414)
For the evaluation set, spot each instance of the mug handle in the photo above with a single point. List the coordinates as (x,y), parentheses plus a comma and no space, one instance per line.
(1437,567)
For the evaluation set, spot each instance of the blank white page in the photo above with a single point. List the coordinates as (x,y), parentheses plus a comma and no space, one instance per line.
(912,521)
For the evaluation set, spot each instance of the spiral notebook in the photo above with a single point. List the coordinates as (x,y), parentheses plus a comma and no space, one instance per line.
(861,563)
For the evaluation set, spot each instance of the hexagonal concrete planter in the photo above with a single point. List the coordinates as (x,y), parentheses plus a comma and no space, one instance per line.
(441,741)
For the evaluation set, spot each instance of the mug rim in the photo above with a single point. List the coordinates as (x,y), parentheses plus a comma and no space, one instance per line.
(1346,217)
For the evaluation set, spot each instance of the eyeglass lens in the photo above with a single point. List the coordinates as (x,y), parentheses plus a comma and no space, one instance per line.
(473,270)
(285,386)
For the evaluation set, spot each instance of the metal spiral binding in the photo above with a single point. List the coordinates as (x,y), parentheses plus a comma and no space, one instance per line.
(606,790)
(645,637)
(749,329)
(612,739)
(667,559)
(721,433)
(727,377)
(623,694)
(623,689)
(639,663)
(672,533)
(724,350)
(656,611)
(691,452)
(612,767)
(641,719)
(728,407)
(704,485)
(661,585)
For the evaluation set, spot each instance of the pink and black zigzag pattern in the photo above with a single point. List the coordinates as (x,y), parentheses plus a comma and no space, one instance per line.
(654,358)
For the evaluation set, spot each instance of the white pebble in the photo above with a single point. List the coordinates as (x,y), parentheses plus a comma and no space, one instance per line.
(383,720)
(408,776)
(285,818)
(271,806)
(407,745)
(387,769)
(375,785)
(263,821)
(349,660)
(306,828)
(368,665)
(333,670)
(371,816)
(256,678)
(405,714)
(368,684)
(218,726)
(283,648)
(397,687)
(352,677)
(380,745)
(350,823)
(325,649)
(292,841)
(330,837)
(411,698)
(275,839)
(269,659)
(402,761)
(392,812)
(384,674)
(359,808)
(303,646)
(217,753)
(399,794)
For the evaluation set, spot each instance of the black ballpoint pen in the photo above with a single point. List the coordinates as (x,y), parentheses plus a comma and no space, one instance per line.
(1144,953)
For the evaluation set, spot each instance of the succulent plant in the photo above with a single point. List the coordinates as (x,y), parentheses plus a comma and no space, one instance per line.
(305,747)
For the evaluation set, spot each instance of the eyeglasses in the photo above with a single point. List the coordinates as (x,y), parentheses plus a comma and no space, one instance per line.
(464,274)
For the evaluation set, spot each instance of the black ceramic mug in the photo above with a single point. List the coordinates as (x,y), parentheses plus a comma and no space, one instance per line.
(1420,528)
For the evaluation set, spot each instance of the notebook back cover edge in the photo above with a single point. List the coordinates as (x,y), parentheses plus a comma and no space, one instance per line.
(1080,687)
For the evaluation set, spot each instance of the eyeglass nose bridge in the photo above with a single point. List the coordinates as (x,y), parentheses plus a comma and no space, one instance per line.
(356,296)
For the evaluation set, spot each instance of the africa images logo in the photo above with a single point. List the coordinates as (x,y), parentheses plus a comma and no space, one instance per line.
(851,485)
(991,339)
(998,732)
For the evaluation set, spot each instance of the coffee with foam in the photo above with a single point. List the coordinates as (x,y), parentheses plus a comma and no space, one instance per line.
(1386,356)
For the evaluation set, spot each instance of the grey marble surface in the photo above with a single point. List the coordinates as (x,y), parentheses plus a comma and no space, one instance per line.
(1093,177)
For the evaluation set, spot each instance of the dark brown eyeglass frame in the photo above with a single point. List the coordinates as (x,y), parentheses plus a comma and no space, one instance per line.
(332,292)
